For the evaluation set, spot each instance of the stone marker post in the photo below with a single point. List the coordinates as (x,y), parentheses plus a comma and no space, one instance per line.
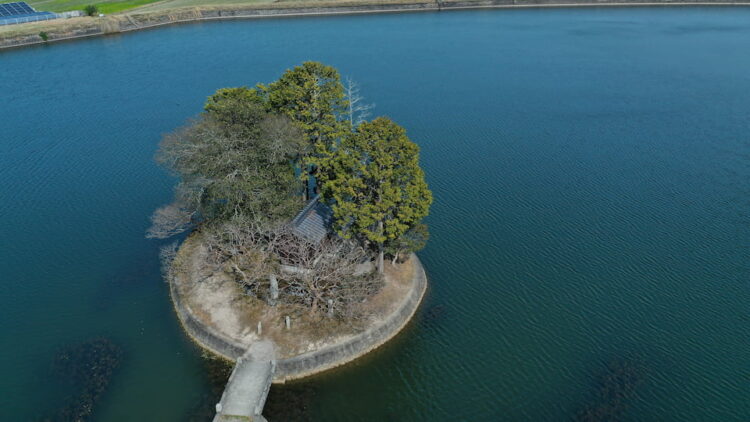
(274,290)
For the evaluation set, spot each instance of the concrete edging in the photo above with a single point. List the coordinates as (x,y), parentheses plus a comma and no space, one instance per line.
(317,361)
(339,354)
(203,336)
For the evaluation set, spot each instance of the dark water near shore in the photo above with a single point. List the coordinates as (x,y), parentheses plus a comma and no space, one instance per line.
(591,230)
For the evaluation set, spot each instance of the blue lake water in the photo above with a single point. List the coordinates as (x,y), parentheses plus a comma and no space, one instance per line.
(591,169)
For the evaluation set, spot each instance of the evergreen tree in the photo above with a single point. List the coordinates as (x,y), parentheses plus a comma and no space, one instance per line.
(412,240)
(313,97)
(375,183)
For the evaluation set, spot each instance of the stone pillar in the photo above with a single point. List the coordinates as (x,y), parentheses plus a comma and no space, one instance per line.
(274,290)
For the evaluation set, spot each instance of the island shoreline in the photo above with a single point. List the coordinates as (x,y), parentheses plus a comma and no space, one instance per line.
(125,23)
(316,361)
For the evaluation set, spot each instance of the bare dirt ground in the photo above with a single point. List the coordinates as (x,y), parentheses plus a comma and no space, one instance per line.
(220,303)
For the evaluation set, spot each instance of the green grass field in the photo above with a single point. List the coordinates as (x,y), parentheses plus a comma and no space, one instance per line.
(173,4)
(106,7)
(114,6)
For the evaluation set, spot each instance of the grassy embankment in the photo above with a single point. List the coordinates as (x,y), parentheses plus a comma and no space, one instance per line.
(115,6)
(147,13)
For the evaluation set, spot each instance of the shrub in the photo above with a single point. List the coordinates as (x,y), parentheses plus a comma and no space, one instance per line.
(44,36)
(91,10)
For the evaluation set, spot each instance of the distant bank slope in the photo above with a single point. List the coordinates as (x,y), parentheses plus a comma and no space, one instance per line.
(156,15)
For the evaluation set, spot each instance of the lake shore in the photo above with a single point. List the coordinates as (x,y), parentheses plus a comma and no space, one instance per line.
(15,36)
(221,319)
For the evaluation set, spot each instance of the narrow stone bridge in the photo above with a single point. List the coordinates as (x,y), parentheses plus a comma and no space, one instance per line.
(247,388)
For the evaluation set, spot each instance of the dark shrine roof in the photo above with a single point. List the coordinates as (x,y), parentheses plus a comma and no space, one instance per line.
(314,221)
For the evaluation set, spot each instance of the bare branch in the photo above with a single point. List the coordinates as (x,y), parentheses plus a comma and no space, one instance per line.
(308,273)
(167,254)
(358,110)
(169,220)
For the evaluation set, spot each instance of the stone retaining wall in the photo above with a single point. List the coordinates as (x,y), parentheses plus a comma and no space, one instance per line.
(203,335)
(338,354)
(315,361)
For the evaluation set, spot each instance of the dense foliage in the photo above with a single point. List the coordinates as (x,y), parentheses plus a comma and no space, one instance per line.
(312,95)
(376,186)
(236,159)
(248,163)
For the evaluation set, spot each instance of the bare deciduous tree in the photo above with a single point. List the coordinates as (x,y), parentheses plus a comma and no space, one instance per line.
(227,171)
(358,111)
(323,272)
(308,273)
(168,221)
(167,255)
(241,247)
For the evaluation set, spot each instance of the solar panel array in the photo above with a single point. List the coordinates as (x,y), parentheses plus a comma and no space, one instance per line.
(18,8)
(21,12)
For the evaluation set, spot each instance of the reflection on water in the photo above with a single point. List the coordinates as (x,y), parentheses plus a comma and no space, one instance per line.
(291,402)
(217,372)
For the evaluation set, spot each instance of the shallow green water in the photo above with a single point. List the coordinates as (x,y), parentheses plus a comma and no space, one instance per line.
(591,169)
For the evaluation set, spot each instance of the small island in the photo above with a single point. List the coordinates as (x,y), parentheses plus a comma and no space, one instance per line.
(300,219)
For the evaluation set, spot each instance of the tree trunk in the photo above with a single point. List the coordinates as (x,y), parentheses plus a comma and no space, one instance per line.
(381,256)
(395,258)
(312,174)
(381,268)
(242,273)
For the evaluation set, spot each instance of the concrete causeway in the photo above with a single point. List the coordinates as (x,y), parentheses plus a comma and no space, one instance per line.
(246,391)
(258,362)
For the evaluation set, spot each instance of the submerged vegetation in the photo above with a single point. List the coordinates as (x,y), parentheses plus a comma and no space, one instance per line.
(614,388)
(216,371)
(256,156)
(86,371)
